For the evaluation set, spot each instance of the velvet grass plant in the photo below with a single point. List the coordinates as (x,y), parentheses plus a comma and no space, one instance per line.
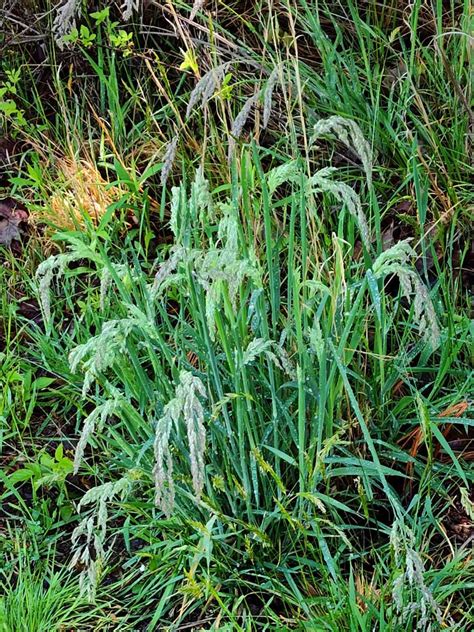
(237,381)
(237,365)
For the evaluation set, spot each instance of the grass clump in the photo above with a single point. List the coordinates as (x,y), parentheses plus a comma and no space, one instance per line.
(236,340)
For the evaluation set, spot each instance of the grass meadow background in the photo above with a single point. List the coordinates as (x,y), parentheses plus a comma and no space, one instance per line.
(236,336)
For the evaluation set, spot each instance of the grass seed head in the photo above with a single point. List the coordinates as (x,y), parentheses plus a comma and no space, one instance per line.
(320,182)
(186,405)
(168,159)
(268,94)
(206,87)
(395,261)
(52,267)
(128,7)
(101,413)
(347,131)
(65,19)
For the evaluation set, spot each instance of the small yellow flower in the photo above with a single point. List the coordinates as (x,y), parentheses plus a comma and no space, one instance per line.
(189,61)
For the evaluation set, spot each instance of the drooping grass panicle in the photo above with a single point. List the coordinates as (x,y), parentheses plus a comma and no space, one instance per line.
(102,494)
(168,159)
(186,405)
(88,553)
(100,352)
(177,201)
(165,271)
(128,7)
(268,94)
(105,283)
(221,267)
(206,87)
(280,357)
(466,503)
(216,270)
(56,265)
(88,538)
(65,19)
(190,390)
(321,182)
(275,353)
(239,122)
(106,278)
(287,172)
(52,267)
(347,131)
(395,261)
(398,254)
(256,347)
(201,198)
(425,314)
(228,230)
(317,342)
(411,595)
(94,421)
(163,468)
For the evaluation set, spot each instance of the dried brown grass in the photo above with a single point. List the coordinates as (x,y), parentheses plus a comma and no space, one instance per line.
(82,194)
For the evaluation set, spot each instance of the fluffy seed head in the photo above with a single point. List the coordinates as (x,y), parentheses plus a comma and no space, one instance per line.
(206,87)
(65,19)
(395,261)
(347,131)
(128,7)
(168,160)
(268,94)
(186,405)
(320,182)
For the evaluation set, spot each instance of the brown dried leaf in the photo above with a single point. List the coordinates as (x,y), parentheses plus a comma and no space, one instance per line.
(10,219)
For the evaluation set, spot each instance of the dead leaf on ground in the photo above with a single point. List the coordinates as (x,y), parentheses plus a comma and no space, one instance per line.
(10,220)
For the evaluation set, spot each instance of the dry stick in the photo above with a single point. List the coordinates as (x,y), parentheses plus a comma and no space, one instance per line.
(106,132)
(185,36)
(197,6)
(160,87)
(13,39)
(181,18)
(455,84)
(298,85)
(428,125)
(235,47)
(115,151)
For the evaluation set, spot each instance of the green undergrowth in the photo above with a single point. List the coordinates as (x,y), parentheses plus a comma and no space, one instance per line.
(236,343)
